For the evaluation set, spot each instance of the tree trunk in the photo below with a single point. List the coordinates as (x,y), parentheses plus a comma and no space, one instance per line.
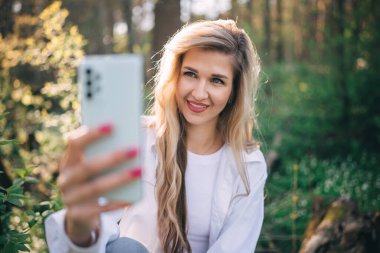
(234,10)
(128,19)
(267,30)
(106,27)
(339,22)
(342,229)
(280,39)
(6,20)
(166,23)
(251,17)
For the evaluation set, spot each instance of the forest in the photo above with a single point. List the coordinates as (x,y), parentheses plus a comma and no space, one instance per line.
(318,108)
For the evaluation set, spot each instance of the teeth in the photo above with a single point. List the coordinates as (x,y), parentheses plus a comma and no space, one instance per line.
(197,106)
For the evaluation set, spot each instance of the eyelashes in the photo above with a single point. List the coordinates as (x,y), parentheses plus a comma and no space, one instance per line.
(217,80)
(192,74)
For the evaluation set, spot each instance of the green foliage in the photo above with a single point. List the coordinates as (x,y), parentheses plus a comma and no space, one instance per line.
(323,119)
(37,87)
(12,240)
(22,215)
(297,103)
(292,191)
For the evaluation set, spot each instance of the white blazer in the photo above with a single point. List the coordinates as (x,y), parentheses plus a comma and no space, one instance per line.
(236,218)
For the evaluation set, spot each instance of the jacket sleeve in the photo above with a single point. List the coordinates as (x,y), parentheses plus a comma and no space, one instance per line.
(242,225)
(59,242)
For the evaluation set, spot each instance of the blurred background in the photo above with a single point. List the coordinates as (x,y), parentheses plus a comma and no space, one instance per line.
(318,107)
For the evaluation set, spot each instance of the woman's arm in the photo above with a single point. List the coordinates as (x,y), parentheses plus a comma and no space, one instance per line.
(59,242)
(242,225)
(82,224)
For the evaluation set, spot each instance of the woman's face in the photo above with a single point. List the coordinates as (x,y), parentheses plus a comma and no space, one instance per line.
(204,86)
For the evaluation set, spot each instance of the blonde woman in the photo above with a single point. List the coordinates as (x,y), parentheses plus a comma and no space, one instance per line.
(203,173)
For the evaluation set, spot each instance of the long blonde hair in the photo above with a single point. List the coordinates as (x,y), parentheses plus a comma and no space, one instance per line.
(235,122)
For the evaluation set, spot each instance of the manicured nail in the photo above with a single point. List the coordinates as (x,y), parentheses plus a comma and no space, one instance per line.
(105,129)
(131,152)
(135,173)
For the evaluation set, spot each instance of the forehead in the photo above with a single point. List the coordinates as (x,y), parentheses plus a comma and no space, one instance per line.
(209,60)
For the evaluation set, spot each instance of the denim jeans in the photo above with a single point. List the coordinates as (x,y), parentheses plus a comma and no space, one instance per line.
(125,244)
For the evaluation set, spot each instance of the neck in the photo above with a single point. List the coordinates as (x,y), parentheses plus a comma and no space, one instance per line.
(203,140)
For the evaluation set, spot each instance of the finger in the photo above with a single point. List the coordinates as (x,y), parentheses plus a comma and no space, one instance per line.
(85,170)
(79,139)
(99,186)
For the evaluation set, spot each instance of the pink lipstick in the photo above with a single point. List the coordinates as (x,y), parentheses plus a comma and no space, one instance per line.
(196,106)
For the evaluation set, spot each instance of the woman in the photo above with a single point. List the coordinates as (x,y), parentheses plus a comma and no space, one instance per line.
(203,174)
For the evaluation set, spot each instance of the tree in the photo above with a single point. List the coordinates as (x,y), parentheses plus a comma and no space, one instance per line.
(38,61)
(166,23)
(6,14)
(267,29)
(280,38)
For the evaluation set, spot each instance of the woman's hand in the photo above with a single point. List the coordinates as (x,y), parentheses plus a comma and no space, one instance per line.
(80,192)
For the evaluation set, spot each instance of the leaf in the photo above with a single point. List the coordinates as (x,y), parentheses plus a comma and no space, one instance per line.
(17,184)
(16,195)
(15,189)
(20,236)
(20,172)
(31,180)
(15,201)
(29,212)
(2,196)
(45,203)
(2,116)
(46,213)
(32,222)
(9,248)
(6,142)
(22,247)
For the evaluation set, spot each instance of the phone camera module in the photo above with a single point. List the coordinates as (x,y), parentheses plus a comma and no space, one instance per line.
(88,71)
(89,95)
(89,83)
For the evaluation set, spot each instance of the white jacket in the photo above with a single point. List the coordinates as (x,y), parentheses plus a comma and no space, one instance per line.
(236,218)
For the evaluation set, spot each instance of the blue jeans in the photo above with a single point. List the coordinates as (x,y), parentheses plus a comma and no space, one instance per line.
(125,244)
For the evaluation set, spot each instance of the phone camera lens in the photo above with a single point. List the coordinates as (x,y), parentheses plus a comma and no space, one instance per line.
(89,83)
(89,95)
(88,71)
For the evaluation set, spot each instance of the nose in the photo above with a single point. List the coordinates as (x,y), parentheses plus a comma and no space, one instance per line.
(200,90)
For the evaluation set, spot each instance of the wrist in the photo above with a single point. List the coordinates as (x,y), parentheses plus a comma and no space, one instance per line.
(81,236)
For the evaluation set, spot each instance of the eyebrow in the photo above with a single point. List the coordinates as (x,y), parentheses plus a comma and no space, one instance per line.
(213,75)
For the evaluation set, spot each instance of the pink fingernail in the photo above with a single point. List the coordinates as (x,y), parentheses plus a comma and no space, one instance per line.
(105,129)
(135,173)
(132,152)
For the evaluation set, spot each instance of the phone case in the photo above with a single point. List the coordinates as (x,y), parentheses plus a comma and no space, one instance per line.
(111,90)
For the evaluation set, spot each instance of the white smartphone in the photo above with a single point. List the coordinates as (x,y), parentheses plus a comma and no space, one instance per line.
(111,91)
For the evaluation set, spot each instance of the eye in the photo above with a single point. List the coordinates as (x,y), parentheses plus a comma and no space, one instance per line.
(217,80)
(190,74)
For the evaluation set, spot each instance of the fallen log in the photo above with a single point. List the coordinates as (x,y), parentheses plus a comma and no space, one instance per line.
(342,229)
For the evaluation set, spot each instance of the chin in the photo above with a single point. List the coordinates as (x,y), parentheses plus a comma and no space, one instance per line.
(197,120)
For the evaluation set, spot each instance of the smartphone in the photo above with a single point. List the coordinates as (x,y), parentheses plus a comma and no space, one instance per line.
(111,91)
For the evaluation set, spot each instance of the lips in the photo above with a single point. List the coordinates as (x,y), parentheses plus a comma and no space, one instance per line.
(196,106)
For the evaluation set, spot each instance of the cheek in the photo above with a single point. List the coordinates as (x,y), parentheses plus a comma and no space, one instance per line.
(179,93)
(224,96)
(182,88)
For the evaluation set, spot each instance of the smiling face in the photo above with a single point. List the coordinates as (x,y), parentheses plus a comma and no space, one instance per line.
(204,86)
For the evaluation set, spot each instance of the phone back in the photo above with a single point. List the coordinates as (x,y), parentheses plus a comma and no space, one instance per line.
(111,91)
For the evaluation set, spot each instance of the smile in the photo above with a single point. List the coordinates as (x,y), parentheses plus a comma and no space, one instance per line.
(196,107)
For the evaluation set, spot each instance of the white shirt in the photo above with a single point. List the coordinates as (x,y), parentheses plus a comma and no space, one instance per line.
(236,218)
(200,179)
